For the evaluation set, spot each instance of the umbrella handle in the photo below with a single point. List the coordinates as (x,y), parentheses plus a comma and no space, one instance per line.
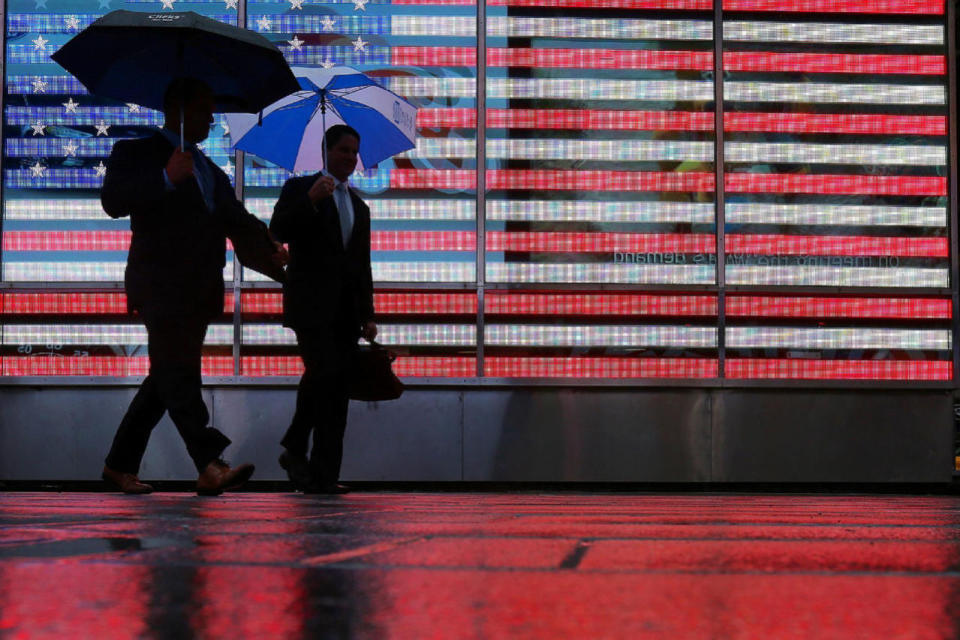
(323,127)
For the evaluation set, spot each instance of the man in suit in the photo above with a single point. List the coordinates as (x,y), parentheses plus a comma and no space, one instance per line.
(181,209)
(328,302)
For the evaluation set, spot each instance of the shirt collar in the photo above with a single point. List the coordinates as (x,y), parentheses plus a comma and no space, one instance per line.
(336,182)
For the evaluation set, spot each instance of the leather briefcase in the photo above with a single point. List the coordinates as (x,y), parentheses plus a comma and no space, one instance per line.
(371,376)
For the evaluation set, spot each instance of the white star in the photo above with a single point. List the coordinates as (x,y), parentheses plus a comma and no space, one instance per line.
(230,4)
(104,4)
(327,64)
(39,86)
(167,4)
(228,169)
(38,170)
(296,43)
(296,4)
(40,4)
(133,107)
(39,129)
(101,169)
(360,5)
(102,128)
(70,105)
(359,44)
(73,23)
(70,148)
(226,128)
(40,44)
(327,23)
(263,23)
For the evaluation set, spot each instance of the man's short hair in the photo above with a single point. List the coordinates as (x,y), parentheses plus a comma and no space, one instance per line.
(337,131)
(181,91)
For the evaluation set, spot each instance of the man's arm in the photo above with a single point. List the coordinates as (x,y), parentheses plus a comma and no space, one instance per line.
(292,208)
(131,182)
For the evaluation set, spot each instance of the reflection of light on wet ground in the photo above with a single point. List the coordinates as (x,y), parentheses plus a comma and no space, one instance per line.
(479,566)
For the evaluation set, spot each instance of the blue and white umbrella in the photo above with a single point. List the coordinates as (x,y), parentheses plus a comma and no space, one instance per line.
(292,128)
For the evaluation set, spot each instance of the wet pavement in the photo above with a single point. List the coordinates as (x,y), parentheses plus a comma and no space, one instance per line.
(479,566)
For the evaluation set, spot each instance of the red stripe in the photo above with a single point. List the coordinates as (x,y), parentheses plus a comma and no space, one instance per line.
(868,124)
(602,242)
(864,124)
(683,5)
(73,303)
(891,308)
(515,367)
(925,7)
(836,184)
(833,63)
(385,303)
(423,241)
(416,366)
(783,369)
(115,366)
(601,59)
(434,56)
(599,119)
(612,304)
(601,180)
(838,246)
(69,241)
(66,240)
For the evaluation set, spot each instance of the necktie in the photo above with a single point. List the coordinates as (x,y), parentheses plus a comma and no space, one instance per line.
(341,197)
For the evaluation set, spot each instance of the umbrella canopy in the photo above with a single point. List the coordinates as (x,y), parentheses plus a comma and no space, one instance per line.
(132,56)
(292,128)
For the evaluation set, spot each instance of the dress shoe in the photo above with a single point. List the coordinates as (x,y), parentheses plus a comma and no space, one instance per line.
(218,477)
(126,482)
(331,488)
(297,468)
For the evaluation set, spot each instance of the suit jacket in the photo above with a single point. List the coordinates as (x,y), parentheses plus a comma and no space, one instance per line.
(326,283)
(178,249)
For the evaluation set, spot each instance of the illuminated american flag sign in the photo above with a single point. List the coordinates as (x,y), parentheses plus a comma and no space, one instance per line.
(597,231)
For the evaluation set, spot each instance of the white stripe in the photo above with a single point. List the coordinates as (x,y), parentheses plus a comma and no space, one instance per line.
(412,335)
(599,29)
(407,272)
(601,273)
(59,209)
(858,154)
(75,271)
(618,150)
(599,336)
(810,338)
(585,211)
(83,334)
(796,275)
(391,209)
(826,93)
(447,26)
(828,214)
(594,89)
(818,33)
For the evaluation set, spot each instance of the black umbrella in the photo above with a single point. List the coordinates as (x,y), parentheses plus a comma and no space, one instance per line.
(132,56)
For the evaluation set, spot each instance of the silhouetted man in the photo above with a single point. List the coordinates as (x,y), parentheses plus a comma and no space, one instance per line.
(328,302)
(182,208)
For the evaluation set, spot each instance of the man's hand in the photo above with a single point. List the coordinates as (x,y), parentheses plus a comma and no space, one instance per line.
(321,188)
(280,255)
(179,166)
(369,331)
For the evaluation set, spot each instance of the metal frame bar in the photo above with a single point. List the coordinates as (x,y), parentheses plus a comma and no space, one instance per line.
(951,35)
(719,186)
(481,195)
(480,285)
